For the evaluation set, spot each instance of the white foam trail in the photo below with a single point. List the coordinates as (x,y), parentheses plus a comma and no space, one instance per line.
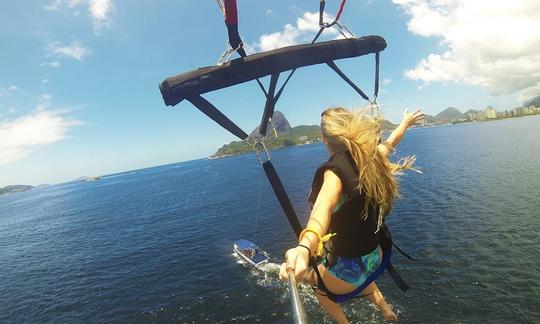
(270,267)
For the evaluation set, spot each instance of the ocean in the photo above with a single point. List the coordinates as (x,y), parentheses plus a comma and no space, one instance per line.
(155,245)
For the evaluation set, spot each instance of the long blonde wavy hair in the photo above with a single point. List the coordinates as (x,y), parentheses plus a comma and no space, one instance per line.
(360,134)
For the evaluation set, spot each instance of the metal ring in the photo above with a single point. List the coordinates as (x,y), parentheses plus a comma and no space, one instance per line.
(260,148)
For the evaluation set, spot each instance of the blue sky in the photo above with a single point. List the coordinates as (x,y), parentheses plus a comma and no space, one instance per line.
(79,78)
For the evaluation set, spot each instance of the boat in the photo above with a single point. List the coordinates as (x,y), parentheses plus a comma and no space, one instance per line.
(250,253)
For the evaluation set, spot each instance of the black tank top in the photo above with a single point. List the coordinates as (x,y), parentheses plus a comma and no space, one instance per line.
(355,235)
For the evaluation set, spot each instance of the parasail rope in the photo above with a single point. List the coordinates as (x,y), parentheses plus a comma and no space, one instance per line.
(221,7)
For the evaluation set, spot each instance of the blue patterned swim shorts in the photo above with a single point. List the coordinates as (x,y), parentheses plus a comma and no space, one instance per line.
(356,270)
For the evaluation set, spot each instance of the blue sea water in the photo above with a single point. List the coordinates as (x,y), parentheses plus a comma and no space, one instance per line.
(155,245)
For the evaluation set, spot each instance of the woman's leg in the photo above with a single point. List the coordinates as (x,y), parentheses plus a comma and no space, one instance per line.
(374,295)
(334,309)
(339,286)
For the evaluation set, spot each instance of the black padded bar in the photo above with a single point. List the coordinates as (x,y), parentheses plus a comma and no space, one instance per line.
(344,77)
(281,194)
(211,111)
(270,104)
(251,67)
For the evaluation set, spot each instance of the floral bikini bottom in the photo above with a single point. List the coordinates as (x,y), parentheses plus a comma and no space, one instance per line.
(356,270)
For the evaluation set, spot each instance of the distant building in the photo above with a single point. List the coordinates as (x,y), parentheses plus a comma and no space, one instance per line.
(490,113)
(479,115)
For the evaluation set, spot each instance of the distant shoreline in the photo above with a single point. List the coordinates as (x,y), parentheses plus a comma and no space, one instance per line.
(209,158)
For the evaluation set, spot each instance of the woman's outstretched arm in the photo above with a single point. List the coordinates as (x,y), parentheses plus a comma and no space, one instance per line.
(298,258)
(395,137)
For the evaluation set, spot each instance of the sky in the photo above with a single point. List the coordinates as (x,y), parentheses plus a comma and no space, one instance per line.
(79,78)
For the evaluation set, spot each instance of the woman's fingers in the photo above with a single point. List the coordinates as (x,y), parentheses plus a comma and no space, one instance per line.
(289,264)
(416,116)
(293,261)
(283,272)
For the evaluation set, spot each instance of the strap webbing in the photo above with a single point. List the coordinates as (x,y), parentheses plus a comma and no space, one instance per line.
(334,67)
(377,63)
(231,21)
(403,253)
(340,9)
(281,194)
(211,111)
(322,3)
(294,70)
(270,104)
(397,278)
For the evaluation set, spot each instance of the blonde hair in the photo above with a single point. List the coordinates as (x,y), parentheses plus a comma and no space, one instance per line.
(360,134)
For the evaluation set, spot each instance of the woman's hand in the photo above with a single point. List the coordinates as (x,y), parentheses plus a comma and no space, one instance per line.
(296,259)
(410,119)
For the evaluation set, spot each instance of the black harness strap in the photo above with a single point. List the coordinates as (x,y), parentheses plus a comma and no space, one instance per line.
(211,111)
(322,3)
(377,63)
(280,91)
(231,21)
(281,194)
(403,253)
(334,67)
(270,104)
(397,278)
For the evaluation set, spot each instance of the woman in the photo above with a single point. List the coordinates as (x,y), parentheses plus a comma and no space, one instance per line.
(351,194)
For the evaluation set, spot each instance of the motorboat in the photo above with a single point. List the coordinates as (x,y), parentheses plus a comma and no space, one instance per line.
(250,252)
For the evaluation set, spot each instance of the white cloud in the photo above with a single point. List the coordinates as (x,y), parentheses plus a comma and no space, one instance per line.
(303,31)
(269,12)
(492,44)
(75,51)
(8,91)
(21,136)
(386,81)
(46,97)
(99,10)
(53,64)
(53,6)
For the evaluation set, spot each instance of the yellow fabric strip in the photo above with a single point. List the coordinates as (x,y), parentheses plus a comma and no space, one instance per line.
(322,240)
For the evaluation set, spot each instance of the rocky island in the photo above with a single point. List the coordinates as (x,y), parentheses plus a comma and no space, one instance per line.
(15,188)
(86,178)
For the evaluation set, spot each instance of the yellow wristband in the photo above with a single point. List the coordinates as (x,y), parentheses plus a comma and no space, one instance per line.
(320,246)
(308,229)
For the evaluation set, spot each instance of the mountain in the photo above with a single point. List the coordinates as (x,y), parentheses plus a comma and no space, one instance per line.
(471,111)
(279,122)
(15,188)
(532,102)
(286,136)
(430,119)
(386,125)
(448,115)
